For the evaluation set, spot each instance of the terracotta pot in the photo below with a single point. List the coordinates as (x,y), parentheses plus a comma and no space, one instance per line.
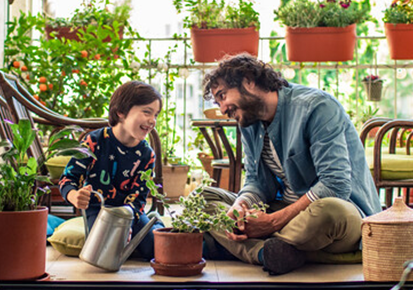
(23,244)
(206,161)
(400,40)
(210,45)
(71,33)
(321,43)
(177,254)
(174,180)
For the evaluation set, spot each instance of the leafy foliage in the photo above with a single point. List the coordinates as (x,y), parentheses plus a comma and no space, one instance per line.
(400,11)
(193,217)
(212,14)
(328,13)
(18,175)
(74,78)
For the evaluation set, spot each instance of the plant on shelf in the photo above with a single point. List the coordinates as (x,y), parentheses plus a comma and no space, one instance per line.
(74,78)
(21,217)
(373,86)
(335,19)
(182,243)
(218,28)
(398,25)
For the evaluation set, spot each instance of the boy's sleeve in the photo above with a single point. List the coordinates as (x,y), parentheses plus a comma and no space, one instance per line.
(75,172)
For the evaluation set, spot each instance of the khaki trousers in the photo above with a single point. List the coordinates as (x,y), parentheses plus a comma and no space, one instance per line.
(329,224)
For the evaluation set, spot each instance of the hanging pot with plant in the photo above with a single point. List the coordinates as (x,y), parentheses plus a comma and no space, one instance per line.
(398,27)
(218,29)
(373,86)
(325,32)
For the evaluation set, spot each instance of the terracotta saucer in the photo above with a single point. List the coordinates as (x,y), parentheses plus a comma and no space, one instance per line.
(177,270)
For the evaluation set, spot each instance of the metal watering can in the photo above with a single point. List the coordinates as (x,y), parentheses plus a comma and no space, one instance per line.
(106,245)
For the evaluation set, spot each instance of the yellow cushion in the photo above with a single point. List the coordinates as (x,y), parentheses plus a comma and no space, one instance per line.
(329,258)
(394,166)
(56,165)
(69,237)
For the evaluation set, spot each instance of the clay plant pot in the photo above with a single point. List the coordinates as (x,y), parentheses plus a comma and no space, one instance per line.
(174,180)
(23,244)
(72,33)
(177,254)
(400,40)
(210,45)
(320,44)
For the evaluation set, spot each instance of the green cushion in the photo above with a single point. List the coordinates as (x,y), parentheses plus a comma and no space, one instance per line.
(56,165)
(330,258)
(69,237)
(394,166)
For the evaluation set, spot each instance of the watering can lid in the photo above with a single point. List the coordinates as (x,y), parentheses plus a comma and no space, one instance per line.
(396,214)
(121,211)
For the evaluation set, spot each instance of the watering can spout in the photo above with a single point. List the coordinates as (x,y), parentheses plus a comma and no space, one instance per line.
(136,240)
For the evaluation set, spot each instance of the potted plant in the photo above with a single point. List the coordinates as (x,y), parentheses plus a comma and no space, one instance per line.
(178,250)
(218,29)
(321,31)
(373,86)
(23,222)
(93,17)
(398,26)
(72,78)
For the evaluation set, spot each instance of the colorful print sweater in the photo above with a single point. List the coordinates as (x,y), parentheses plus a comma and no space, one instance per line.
(115,173)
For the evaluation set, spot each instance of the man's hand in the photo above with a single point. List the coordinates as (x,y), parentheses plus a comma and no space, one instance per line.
(260,224)
(241,209)
(80,198)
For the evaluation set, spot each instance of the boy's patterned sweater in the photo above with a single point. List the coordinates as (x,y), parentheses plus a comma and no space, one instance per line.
(115,173)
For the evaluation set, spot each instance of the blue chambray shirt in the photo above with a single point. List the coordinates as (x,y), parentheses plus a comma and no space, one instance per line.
(318,147)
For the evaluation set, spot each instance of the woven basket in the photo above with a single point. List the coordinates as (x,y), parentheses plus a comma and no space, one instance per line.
(387,243)
(373,90)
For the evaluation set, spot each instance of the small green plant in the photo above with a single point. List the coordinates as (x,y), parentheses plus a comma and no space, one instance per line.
(193,217)
(18,174)
(400,11)
(328,13)
(209,14)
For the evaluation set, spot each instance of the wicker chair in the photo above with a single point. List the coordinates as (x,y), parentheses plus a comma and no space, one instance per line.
(392,167)
(23,105)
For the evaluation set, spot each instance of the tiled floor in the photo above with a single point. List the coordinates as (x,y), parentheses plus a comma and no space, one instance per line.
(63,268)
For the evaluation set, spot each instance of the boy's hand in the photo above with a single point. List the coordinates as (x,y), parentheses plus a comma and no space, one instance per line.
(80,198)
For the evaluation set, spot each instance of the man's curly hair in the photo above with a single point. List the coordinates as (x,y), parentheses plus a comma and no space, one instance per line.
(233,69)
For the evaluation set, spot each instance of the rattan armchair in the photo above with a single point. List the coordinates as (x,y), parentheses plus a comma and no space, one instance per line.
(23,105)
(389,158)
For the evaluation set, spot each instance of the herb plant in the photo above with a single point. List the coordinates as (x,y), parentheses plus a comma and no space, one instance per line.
(209,14)
(400,11)
(18,175)
(328,13)
(193,217)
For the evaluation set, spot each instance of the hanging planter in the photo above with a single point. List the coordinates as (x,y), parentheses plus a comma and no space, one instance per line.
(72,33)
(373,86)
(320,44)
(210,45)
(400,40)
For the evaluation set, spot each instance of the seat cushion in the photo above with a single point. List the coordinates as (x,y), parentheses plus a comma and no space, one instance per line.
(330,258)
(69,237)
(56,165)
(394,166)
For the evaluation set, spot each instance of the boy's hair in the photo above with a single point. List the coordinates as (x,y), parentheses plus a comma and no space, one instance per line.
(233,69)
(133,93)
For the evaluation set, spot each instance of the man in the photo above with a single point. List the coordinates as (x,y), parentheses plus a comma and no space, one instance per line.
(303,156)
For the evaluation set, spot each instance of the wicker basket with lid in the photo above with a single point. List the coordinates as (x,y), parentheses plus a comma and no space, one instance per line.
(387,242)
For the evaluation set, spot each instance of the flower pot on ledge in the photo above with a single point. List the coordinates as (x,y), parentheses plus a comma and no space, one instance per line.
(400,40)
(321,44)
(210,45)
(72,33)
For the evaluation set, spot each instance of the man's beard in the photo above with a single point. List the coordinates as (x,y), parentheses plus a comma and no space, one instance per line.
(252,106)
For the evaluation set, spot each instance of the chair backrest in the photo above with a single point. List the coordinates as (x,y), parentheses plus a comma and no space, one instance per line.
(5,114)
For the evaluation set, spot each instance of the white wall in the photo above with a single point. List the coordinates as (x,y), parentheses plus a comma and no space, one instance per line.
(3,19)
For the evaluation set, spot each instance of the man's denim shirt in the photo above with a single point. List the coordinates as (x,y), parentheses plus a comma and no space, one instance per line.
(318,147)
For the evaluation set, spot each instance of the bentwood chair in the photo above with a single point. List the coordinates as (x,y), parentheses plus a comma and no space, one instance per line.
(389,158)
(23,105)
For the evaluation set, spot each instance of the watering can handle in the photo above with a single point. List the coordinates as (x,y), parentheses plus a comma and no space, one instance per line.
(102,202)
